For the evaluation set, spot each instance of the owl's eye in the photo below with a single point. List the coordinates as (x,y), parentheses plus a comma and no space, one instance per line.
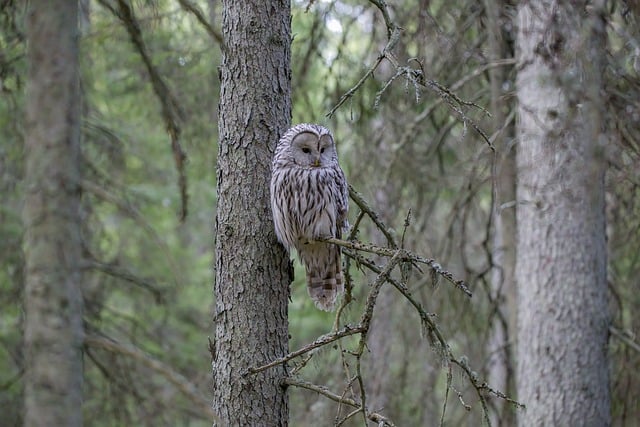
(322,150)
(306,150)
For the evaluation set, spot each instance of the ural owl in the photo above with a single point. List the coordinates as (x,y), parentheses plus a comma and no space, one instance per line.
(309,200)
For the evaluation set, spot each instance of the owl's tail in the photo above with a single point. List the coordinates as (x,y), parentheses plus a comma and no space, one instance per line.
(324,275)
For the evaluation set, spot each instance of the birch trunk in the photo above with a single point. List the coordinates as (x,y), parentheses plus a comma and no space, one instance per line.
(563,319)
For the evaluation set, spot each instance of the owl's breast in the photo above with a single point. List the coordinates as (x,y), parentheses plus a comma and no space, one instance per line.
(317,206)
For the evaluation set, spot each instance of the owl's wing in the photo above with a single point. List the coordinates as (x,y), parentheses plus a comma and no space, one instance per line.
(342,203)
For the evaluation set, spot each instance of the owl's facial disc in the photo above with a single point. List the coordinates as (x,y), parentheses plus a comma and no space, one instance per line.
(309,150)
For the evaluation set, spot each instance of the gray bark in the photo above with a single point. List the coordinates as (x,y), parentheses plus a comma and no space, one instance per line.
(53,300)
(252,270)
(500,363)
(382,339)
(563,319)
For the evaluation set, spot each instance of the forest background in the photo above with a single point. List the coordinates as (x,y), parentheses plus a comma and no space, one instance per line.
(417,142)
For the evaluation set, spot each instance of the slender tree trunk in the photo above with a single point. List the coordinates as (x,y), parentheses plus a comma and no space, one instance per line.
(561,267)
(383,339)
(253,272)
(500,363)
(53,299)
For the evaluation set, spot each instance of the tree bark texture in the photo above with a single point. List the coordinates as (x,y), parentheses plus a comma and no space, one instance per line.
(563,321)
(53,300)
(253,271)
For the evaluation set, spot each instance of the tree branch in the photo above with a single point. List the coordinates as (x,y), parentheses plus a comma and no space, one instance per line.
(324,391)
(125,206)
(364,206)
(126,275)
(178,380)
(398,256)
(624,337)
(195,10)
(319,342)
(406,256)
(415,76)
(172,113)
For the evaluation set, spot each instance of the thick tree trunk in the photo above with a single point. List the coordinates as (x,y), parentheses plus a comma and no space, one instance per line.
(252,269)
(561,267)
(53,299)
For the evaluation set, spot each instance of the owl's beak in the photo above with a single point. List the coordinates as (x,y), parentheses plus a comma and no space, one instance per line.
(316,163)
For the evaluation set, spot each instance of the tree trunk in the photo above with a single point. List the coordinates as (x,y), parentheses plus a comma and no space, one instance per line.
(253,272)
(500,363)
(53,299)
(561,267)
(383,339)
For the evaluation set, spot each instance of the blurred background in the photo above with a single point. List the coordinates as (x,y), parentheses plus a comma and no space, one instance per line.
(147,287)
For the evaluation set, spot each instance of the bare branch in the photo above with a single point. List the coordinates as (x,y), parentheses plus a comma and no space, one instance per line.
(172,113)
(406,255)
(393,37)
(125,206)
(195,10)
(178,380)
(413,75)
(624,337)
(124,274)
(348,94)
(373,416)
(364,206)
(319,342)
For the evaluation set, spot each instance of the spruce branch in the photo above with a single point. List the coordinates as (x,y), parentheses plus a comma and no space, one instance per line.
(175,378)
(172,112)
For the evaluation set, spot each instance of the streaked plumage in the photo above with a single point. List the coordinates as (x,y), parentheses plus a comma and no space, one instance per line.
(310,199)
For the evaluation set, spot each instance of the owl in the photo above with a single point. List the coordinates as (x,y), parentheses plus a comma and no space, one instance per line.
(310,200)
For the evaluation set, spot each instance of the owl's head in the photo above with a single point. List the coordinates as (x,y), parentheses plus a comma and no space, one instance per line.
(308,146)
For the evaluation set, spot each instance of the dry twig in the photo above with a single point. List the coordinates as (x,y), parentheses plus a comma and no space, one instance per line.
(397,256)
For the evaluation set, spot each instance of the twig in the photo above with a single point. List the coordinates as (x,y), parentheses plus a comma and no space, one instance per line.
(624,338)
(416,77)
(373,416)
(393,37)
(381,279)
(446,395)
(482,386)
(319,342)
(462,402)
(408,256)
(364,206)
(348,94)
(384,9)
